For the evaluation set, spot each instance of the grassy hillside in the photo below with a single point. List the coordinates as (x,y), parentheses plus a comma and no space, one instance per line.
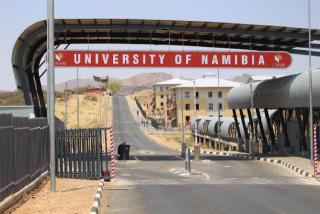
(14,98)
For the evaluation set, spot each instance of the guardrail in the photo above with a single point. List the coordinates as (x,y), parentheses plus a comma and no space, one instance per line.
(24,152)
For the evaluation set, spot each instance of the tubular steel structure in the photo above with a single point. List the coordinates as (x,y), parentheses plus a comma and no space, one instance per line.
(31,44)
(289,96)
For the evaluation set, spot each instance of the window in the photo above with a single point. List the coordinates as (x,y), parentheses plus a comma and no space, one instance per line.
(161,96)
(187,106)
(220,106)
(197,94)
(161,88)
(161,103)
(187,94)
(210,94)
(210,106)
(167,88)
(220,94)
(197,107)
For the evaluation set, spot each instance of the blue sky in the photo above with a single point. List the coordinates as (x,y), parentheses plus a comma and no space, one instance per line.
(16,15)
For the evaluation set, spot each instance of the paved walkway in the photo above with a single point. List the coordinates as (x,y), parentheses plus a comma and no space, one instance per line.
(299,162)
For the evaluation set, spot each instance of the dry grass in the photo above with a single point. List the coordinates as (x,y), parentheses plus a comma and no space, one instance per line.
(172,140)
(89,110)
(14,98)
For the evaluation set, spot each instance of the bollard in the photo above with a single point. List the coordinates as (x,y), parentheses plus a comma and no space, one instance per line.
(187,160)
(183,150)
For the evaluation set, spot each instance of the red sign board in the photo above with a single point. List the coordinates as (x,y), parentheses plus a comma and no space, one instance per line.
(172,59)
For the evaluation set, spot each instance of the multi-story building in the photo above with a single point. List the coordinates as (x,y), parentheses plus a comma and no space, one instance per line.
(210,96)
(162,94)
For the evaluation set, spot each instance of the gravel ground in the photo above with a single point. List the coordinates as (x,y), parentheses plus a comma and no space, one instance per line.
(72,196)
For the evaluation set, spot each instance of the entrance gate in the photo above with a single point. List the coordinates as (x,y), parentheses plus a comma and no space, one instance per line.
(80,153)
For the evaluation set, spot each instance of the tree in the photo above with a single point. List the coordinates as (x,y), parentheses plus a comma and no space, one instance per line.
(114,86)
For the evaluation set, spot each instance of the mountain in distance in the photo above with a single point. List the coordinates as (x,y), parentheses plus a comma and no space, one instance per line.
(132,84)
(146,79)
(72,84)
(243,78)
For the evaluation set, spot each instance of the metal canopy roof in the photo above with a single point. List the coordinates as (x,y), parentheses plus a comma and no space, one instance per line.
(285,92)
(31,44)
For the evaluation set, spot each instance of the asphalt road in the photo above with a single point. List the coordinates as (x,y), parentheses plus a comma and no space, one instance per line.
(216,184)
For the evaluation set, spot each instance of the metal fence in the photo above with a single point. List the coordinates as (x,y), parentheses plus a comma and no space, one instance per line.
(24,152)
(143,112)
(79,153)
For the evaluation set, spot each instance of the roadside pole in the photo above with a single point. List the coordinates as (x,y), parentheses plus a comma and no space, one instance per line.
(310,88)
(196,143)
(51,90)
(183,144)
(252,145)
(187,159)
(66,106)
(219,119)
(78,105)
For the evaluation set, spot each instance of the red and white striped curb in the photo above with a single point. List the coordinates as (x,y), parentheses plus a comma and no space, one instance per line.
(315,151)
(113,166)
(97,199)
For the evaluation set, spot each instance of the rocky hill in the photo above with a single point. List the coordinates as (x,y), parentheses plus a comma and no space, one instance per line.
(129,85)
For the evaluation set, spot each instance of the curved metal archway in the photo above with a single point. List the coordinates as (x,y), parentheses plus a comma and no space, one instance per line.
(31,44)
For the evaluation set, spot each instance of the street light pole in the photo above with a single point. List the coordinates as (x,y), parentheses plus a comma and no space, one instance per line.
(219,122)
(310,87)
(51,89)
(66,105)
(251,146)
(196,143)
(78,105)
(183,144)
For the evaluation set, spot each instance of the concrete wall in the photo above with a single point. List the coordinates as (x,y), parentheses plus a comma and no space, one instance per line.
(18,111)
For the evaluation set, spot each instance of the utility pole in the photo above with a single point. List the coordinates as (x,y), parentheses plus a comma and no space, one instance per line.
(100,102)
(196,143)
(251,147)
(51,90)
(310,87)
(78,105)
(66,105)
(183,144)
(107,101)
(219,122)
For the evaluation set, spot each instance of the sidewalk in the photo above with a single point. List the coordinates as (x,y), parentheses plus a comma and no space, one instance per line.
(134,108)
(299,165)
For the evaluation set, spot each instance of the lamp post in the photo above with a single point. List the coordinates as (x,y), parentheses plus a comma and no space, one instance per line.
(253,125)
(78,105)
(196,143)
(183,144)
(51,89)
(310,87)
(219,121)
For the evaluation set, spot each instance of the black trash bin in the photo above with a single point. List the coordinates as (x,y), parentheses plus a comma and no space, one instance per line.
(123,151)
(126,152)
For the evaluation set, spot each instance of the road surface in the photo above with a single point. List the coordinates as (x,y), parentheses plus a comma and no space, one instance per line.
(155,181)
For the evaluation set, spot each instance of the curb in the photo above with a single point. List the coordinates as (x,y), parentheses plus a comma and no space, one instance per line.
(290,166)
(97,199)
